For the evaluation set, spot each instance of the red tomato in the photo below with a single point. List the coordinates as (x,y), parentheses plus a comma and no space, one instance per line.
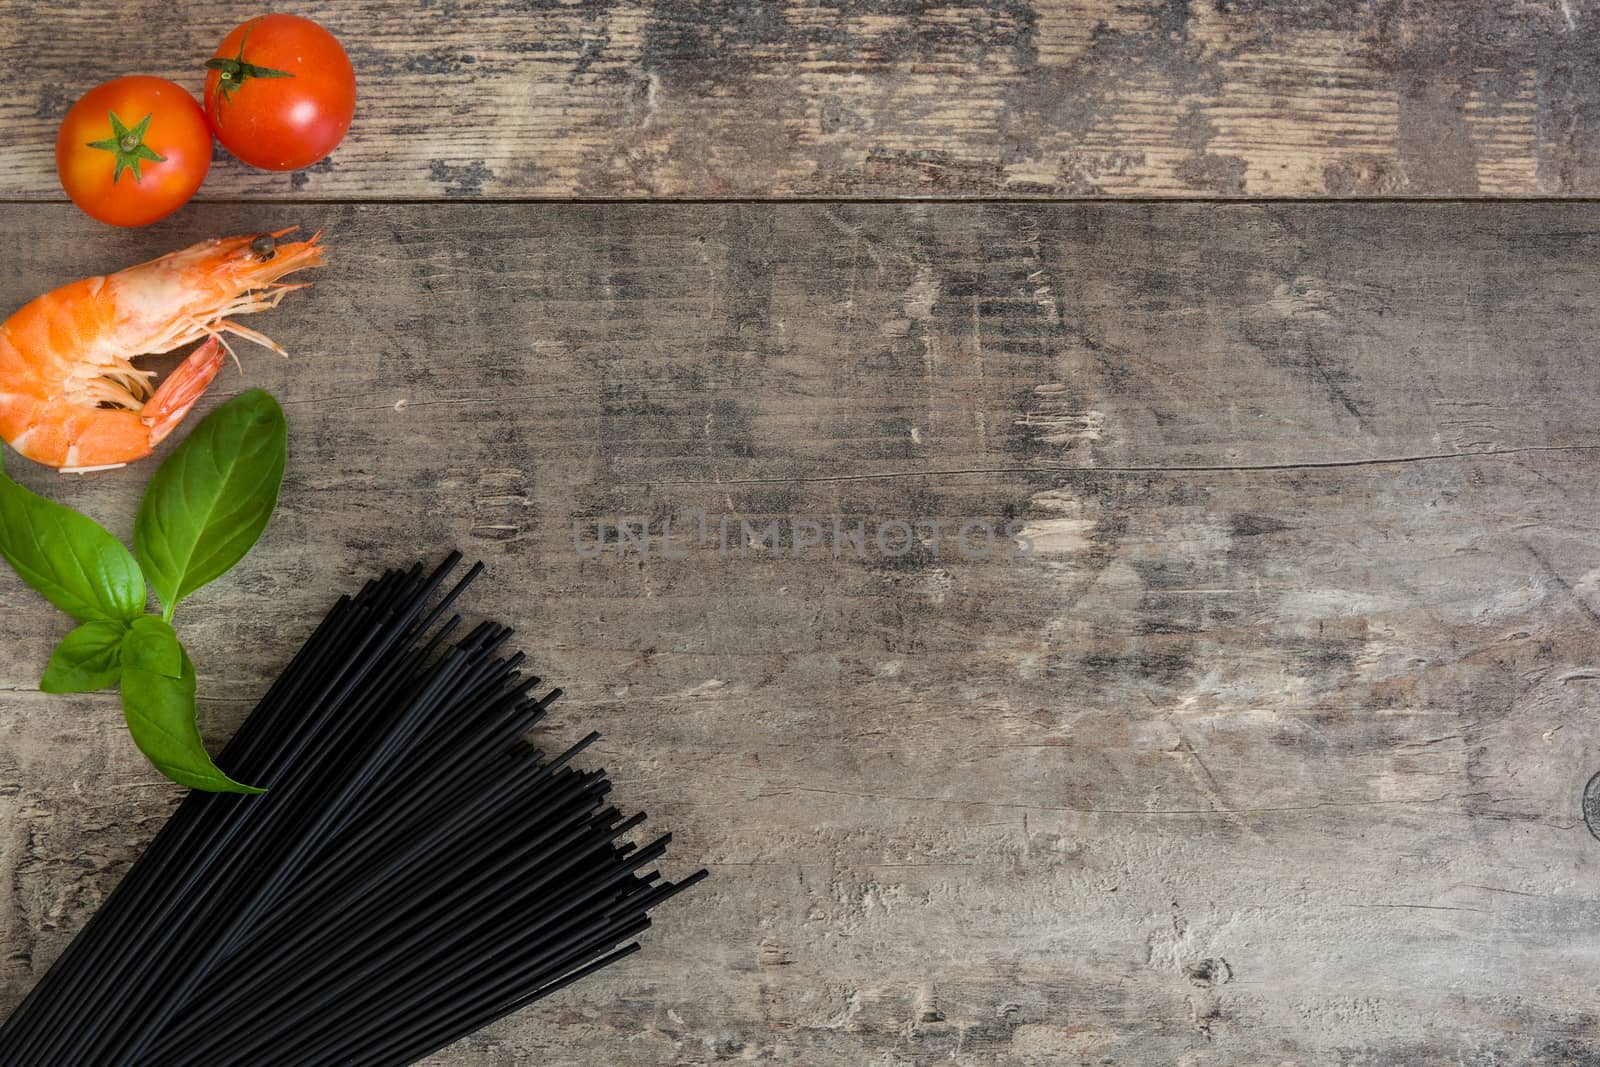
(133,150)
(280,92)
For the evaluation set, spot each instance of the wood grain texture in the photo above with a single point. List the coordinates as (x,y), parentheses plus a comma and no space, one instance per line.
(882,98)
(1269,752)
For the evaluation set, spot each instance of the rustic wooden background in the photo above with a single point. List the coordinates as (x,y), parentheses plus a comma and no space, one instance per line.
(713,98)
(1270,752)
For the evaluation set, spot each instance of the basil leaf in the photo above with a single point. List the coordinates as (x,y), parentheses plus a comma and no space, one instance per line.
(211,498)
(88,658)
(68,557)
(151,645)
(161,716)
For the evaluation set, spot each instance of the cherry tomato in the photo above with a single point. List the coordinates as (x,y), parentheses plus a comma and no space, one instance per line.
(280,92)
(133,150)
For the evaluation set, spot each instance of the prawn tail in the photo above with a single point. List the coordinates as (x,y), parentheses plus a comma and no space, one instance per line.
(185,385)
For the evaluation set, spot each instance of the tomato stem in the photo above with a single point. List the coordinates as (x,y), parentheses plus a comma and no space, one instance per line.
(232,73)
(128,146)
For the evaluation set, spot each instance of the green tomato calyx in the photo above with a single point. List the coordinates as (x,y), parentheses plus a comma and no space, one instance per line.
(128,146)
(233,73)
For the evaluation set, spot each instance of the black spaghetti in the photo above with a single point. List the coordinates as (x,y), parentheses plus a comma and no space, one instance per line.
(415,871)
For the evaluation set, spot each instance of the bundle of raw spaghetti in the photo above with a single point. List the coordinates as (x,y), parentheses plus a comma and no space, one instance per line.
(415,871)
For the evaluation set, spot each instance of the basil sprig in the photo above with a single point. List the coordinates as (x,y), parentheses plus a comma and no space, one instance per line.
(202,511)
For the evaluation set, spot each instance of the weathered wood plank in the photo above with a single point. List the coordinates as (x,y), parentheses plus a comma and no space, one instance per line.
(1269,752)
(511,98)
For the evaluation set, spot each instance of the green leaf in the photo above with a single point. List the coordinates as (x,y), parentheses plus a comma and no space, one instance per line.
(88,658)
(210,500)
(161,717)
(151,645)
(68,557)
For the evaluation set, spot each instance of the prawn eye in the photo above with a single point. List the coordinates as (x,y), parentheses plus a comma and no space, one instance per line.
(264,247)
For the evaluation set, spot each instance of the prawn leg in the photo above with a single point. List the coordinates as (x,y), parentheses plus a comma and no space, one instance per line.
(185,385)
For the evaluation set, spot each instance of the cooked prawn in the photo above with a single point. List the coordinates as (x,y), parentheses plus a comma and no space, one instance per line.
(70,396)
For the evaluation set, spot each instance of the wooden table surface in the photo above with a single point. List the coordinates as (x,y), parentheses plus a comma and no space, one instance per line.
(1258,733)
